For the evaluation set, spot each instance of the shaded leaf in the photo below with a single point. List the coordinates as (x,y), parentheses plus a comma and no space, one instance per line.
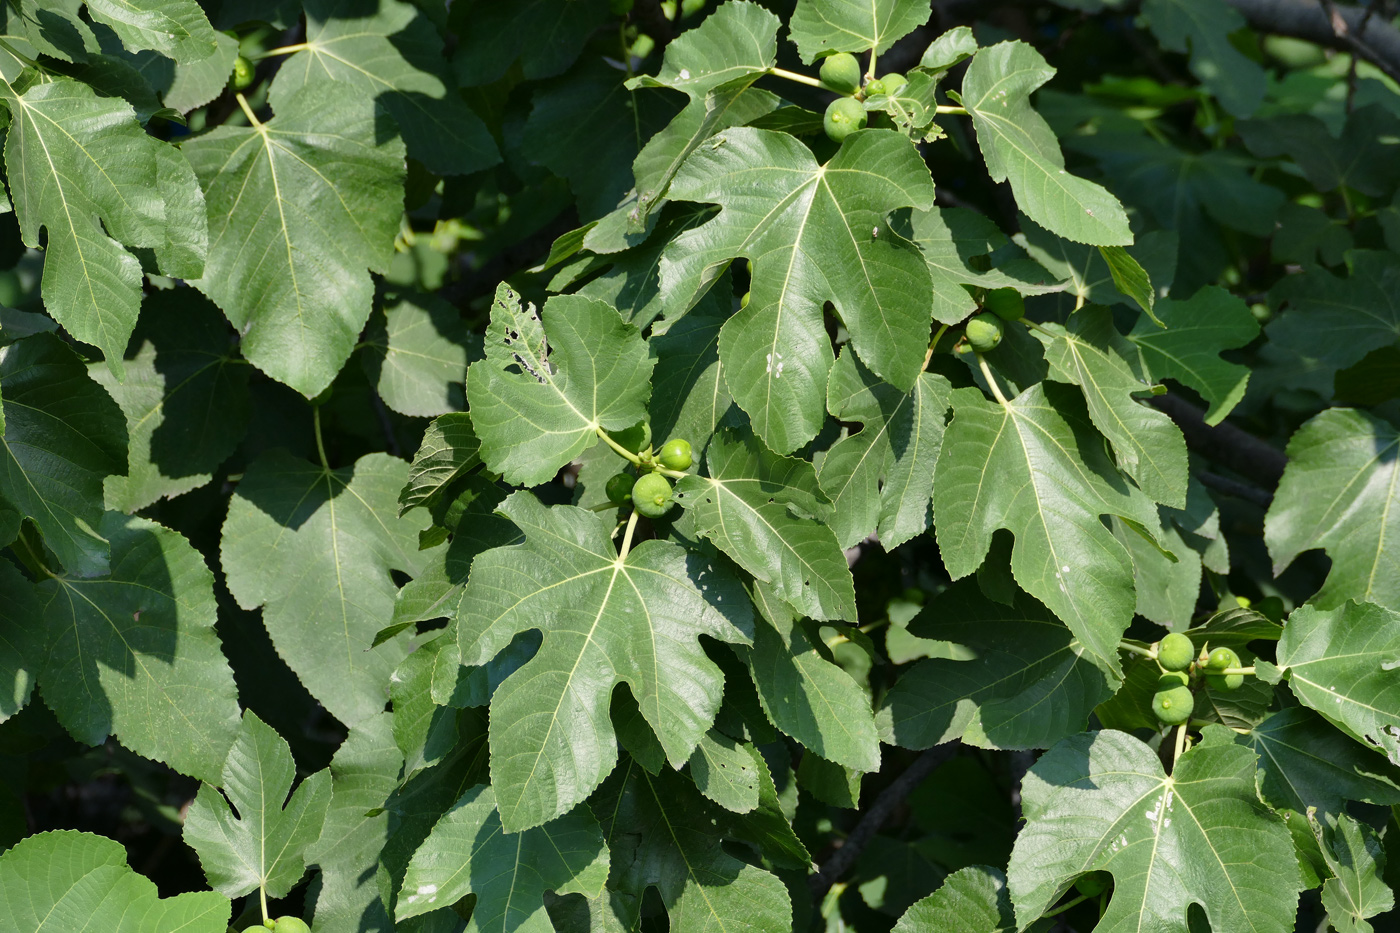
(390,54)
(63,435)
(1341,492)
(418,354)
(662,833)
(1306,762)
(1337,321)
(364,772)
(1203,29)
(468,853)
(1027,684)
(314,548)
(880,479)
(1188,350)
(804,693)
(21,651)
(1090,353)
(136,653)
(185,398)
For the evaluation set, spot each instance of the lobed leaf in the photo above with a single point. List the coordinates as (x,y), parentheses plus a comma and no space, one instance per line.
(606,620)
(549,383)
(814,234)
(302,207)
(762,511)
(1339,492)
(1100,801)
(261,840)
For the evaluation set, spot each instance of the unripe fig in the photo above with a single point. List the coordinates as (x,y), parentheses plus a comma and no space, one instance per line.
(651,496)
(1171,680)
(843,117)
(983,332)
(890,84)
(1173,706)
(1220,682)
(676,454)
(619,488)
(1222,658)
(291,925)
(1005,303)
(841,73)
(1175,652)
(242,74)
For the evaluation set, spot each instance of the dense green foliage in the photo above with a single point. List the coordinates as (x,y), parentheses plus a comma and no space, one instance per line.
(589,466)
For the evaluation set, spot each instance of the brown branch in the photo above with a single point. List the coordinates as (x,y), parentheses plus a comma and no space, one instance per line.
(1349,28)
(889,800)
(1224,444)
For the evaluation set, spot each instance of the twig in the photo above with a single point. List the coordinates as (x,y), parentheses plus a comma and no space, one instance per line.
(889,800)
(1340,27)
(1224,444)
(1233,487)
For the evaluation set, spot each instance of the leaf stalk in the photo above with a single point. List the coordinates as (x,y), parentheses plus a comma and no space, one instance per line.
(627,537)
(1129,646)
(320,444)
(795,76)
(991,381)
(621,451)
(248,112)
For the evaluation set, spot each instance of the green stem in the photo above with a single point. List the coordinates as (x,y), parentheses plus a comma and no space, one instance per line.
(248,112)
(1180,745)
(1232,670)
(673,474)
(1034,326)
(794,76)
(627,537)
(284,50)
(621,451)
(262,895)
(991,382)
(949,109)
(604,507)
(320,444)
(1066,906)
(1128,646)
(938,335)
